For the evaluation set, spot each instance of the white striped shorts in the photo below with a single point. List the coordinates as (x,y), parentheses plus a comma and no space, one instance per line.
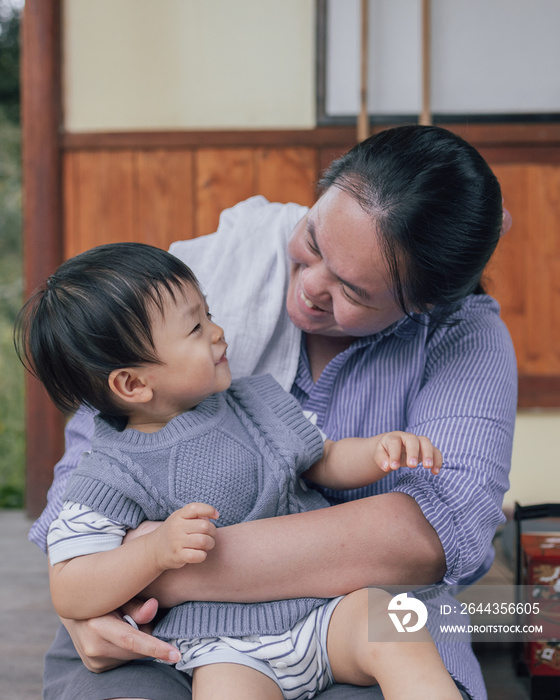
(296,659)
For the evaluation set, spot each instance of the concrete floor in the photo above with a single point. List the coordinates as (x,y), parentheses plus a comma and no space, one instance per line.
(27,619)
(28,622)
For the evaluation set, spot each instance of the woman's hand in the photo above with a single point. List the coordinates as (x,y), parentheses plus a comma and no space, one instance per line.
(106,642)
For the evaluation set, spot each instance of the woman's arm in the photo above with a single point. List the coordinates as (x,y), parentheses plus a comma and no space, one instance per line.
(379,540)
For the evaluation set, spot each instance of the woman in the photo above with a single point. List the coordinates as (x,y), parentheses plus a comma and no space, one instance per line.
(375,321)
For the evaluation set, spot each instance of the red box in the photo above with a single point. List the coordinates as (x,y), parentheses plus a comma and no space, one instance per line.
(541,571)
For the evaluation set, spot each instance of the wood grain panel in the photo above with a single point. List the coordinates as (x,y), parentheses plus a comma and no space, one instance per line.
(286,174)
(506,275)
(163,201)
(105,192)
(223,178)
(524,270)
(71,204)
(546,186)
(326,155)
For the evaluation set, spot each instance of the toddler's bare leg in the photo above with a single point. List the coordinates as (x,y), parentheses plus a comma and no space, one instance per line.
(233,682)
(403,669)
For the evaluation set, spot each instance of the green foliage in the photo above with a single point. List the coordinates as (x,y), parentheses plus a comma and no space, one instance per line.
(9,59)
(12,440)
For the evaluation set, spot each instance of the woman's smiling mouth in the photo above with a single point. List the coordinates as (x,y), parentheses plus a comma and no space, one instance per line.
(308,303)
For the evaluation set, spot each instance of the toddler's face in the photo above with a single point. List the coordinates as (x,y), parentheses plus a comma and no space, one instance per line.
(192,352)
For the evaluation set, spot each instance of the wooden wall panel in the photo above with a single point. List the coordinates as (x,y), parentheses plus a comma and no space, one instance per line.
(523,273)
(163,201)
(286,174)
(224,176)
(71,205)
(505,277)
(159,196)
(103,200)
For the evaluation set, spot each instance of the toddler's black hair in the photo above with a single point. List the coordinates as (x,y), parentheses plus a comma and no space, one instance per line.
(94,316)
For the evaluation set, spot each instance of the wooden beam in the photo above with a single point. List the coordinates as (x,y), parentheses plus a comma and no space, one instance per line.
(42,216)
(518,136)
(363,116)
(426,114)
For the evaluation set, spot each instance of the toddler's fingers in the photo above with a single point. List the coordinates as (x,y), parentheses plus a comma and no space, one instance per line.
(431,456)
(200,542)
(399,447)
(199,510)
(411,450)
(438,461)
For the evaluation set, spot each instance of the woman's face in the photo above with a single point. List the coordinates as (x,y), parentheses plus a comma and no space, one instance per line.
(339,285)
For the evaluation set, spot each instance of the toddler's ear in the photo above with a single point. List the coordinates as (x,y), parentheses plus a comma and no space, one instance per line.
(127,384)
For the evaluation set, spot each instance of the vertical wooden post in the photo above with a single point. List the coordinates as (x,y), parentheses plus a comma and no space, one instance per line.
(363,117)
(42,217)
(426,114)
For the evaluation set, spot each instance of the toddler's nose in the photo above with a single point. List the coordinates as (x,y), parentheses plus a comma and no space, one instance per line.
(218,334)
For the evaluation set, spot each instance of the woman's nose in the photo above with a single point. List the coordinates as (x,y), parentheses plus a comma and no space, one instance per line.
(316,282)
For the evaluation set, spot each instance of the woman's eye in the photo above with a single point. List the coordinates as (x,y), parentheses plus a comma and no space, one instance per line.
(312,247)
(347,296)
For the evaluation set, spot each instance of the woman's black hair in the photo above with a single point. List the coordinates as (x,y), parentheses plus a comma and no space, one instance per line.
(93,316)
(437,208)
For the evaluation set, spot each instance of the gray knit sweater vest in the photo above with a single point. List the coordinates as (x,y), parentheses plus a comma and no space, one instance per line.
(241,451)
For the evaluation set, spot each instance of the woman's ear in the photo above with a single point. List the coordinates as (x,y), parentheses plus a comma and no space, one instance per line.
(128,385)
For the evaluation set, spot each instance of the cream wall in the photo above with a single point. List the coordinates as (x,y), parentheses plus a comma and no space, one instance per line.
(188,64)
(535,469)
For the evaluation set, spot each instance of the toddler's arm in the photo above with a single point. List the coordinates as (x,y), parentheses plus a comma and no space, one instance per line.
(355,462)
(95,584)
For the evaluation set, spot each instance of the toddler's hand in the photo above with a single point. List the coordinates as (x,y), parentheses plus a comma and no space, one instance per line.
(398,449)
(185,537)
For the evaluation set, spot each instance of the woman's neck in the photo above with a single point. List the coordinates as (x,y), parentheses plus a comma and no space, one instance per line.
(321,349)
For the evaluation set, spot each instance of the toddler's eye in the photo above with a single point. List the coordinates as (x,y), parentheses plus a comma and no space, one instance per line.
(197,328)
(209,316)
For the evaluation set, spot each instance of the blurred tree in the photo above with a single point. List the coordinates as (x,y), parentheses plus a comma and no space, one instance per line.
(10,13)
(12,438)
